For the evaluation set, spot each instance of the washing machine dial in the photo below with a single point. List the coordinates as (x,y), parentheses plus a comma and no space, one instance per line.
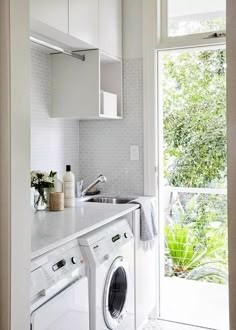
(125,235)
(74,260)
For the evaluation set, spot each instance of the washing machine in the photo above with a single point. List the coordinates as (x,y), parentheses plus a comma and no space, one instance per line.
(59,290)
(110,256)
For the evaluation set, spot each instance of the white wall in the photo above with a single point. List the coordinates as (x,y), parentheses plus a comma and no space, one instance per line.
(231,122)
(132,29)
(20,165)
(5,177)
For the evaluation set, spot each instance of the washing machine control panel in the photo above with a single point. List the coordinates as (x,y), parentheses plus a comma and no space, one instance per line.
(57,269)
(103,242)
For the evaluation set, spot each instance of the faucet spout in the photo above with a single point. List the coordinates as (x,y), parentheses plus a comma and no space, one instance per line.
(100,179)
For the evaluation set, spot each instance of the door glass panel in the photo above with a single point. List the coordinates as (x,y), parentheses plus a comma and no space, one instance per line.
(117,292)
(193,188)
(191,16)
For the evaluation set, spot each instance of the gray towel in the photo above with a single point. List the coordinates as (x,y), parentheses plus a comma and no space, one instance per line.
(148,221)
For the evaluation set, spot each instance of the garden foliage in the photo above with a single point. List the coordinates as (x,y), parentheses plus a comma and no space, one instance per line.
(194,108)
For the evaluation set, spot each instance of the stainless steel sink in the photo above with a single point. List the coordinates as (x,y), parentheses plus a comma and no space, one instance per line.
(110,200)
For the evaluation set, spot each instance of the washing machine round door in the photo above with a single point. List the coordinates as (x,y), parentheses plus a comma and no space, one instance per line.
(115,293)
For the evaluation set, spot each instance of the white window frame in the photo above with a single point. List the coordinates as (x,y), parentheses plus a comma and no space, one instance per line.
(155,39)
(190,40)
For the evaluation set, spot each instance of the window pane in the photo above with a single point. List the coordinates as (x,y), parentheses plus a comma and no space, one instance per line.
(195,16)
(194,118)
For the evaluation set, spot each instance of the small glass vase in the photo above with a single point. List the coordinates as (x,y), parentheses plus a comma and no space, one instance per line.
(40,199)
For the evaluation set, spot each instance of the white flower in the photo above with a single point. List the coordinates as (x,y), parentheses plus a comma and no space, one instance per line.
(40,179)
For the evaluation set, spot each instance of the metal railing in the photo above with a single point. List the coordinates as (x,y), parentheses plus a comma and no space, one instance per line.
(212,191)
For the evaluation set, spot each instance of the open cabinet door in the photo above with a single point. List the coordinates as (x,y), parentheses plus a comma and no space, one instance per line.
(14,165)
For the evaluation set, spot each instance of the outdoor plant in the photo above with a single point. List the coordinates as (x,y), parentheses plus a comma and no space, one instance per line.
(200,211)
(213,267)
(190,259)
(194,104)
(182,249)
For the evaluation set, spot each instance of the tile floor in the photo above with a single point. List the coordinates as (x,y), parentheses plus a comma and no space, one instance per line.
(163,325)
(198,302)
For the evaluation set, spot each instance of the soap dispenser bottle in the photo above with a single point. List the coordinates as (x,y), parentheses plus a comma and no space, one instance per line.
(69,187)
(58,185)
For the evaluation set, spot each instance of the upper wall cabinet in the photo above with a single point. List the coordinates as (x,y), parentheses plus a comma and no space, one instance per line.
(83,20)
(79,24)
(71,23)
(110,27)
(51,12)
(90,89)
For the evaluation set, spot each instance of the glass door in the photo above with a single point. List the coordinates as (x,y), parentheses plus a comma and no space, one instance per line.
(193,203)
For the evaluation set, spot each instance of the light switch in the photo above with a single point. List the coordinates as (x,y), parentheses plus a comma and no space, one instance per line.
(134,152)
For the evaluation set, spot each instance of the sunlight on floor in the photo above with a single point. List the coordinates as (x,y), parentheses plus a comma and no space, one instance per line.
(200,303)
(163,325)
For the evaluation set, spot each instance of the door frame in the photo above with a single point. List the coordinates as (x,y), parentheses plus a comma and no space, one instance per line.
(231,127)
(152,40)
(15,213)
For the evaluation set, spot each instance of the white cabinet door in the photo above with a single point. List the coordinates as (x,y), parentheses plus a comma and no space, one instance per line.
(110,27)
(69,310)
(75,88)
(51,12)
(83,20)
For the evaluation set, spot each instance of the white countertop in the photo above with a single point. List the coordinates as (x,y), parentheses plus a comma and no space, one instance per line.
(52,229)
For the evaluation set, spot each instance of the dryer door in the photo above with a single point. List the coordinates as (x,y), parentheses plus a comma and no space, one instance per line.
(115,293)
(69,310)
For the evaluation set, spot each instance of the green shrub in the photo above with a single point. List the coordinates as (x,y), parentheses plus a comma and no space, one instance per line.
(192,260)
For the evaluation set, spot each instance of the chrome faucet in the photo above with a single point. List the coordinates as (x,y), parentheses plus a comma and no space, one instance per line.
(81,192)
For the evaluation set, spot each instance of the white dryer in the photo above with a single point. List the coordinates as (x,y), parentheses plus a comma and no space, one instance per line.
(59,290)
(110,256)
